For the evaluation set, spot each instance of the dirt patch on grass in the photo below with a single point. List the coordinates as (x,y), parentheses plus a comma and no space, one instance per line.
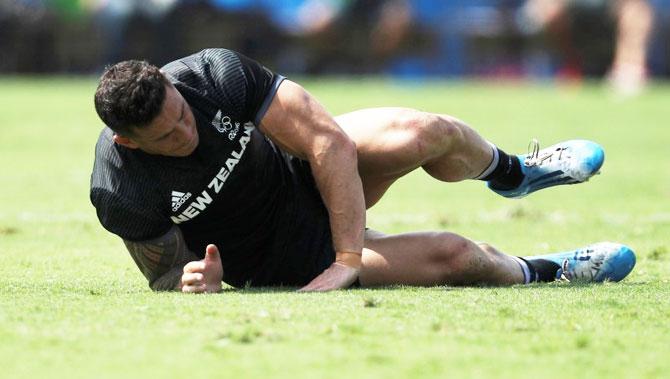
(8,230)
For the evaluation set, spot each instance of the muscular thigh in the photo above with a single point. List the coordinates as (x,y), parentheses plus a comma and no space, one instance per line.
(386,144)
(383,139)
(421,259)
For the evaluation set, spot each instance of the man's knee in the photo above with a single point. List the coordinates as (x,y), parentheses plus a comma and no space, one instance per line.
(431,133)
(459,260)
(487,247)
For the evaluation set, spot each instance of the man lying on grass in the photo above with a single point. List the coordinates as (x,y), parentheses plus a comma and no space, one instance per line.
(214,168)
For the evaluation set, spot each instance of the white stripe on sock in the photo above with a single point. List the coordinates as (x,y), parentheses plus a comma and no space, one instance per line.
(492,166)
(524,269)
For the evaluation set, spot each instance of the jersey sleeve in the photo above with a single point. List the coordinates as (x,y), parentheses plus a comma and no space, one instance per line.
(128,219)
(122,199)
(247,84)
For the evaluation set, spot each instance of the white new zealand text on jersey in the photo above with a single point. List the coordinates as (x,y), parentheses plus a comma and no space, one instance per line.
(201,202)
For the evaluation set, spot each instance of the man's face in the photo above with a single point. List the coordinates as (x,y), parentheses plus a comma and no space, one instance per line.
(171,133)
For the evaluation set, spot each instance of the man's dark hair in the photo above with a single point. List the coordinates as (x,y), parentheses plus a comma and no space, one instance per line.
(130,95)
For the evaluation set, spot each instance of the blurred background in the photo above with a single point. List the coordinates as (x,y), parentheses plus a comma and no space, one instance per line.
(624,42)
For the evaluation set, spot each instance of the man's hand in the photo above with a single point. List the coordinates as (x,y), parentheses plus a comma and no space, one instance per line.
(341,274)
(204,275)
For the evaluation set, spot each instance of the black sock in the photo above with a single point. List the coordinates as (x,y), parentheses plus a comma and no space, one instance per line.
(507,174)
(541,270)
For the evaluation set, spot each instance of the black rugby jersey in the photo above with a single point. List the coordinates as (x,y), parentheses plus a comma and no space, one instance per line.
(237,190)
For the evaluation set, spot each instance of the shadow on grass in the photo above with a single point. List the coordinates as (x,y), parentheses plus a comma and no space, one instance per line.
(554,286)
(287,289)
(572,285)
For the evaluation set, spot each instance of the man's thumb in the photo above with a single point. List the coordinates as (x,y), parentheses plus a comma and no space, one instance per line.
(212,254)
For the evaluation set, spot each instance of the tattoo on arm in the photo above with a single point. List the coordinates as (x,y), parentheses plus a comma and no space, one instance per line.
(162,259)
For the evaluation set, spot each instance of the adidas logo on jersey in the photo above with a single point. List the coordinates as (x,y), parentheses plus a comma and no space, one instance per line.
(178,199)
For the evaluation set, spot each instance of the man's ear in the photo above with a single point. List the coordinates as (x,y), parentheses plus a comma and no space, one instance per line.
(125,141)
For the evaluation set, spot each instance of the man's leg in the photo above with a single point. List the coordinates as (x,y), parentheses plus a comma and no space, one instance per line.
(392,142)
(635,19)
(437,258)
(434,258)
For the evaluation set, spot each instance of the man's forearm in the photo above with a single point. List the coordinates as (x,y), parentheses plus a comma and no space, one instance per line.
(335,171)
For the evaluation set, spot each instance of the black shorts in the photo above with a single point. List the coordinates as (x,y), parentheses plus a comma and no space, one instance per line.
(302,246)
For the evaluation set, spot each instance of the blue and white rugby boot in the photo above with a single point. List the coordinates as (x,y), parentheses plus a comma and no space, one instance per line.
(568,162)
(594,263)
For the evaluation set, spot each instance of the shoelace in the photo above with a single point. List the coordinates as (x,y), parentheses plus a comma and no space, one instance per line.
(535,159)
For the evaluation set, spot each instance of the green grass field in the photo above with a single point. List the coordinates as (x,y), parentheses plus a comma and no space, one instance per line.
(73,305)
